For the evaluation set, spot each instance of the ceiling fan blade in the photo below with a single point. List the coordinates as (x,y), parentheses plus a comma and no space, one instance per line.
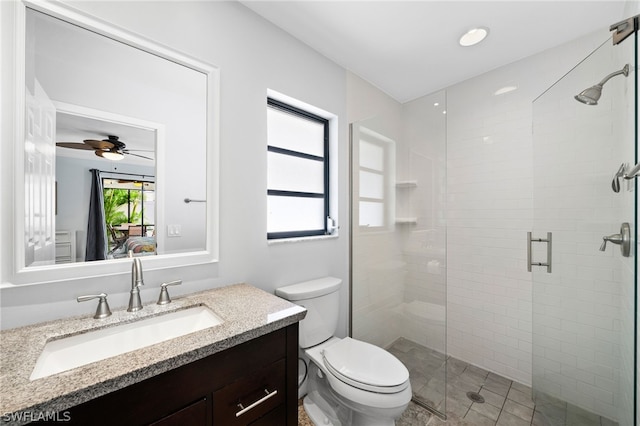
(126,151)
(74,145)
(141,156)
(96,144)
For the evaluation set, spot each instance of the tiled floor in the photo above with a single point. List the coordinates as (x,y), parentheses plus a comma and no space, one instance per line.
(506,403)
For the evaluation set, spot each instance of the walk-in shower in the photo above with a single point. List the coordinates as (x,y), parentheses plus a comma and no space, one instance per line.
(438,241)
(591,95)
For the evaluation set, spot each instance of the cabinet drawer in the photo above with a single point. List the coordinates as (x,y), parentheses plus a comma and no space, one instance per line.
(250,397)
(277,416)
(193,415)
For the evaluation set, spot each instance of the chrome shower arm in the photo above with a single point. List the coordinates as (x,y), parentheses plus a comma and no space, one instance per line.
(591,95)
(624,70)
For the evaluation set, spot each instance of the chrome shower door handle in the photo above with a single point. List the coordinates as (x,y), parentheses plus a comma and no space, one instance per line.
(530,262)
(623,239)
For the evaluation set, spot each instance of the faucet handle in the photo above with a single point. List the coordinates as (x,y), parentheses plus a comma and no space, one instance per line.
(164,294)
(103,310)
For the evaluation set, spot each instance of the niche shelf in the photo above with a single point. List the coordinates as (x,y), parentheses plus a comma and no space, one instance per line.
(406,184)
(406,220)
(403,201)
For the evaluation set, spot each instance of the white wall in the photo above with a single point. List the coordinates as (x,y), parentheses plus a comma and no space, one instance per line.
(253,56)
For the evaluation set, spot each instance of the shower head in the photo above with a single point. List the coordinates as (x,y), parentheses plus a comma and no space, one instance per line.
(591,95)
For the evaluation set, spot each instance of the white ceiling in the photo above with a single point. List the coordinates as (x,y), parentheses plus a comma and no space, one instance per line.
(410,48)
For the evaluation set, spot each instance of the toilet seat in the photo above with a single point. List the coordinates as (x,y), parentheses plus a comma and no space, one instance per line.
(365,366)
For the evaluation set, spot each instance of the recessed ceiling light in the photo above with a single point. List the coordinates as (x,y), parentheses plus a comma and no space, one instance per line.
(474,36)
(505,89)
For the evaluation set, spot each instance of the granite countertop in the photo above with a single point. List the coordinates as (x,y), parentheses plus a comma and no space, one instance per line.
(247,312)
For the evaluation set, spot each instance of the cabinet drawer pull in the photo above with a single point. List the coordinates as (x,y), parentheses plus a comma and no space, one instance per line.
(258,402)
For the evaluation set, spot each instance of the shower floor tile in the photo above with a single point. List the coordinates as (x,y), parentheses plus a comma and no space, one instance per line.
(506,403)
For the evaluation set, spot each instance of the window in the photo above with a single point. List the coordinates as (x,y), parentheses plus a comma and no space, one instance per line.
(129,207)
(298,172)
(374,174)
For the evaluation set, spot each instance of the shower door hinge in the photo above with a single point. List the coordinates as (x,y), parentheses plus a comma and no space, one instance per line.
(624,29)
(530,240)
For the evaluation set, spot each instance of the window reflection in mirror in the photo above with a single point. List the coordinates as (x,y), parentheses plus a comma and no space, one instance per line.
(74,75)
(129,207)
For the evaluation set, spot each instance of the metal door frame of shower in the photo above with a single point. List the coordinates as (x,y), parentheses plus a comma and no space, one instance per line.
(635,237)
(622,30)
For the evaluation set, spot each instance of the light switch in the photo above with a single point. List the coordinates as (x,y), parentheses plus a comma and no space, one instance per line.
(174,230)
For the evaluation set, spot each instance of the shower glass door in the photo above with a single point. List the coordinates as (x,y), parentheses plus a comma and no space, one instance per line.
(398,237)
(584,302)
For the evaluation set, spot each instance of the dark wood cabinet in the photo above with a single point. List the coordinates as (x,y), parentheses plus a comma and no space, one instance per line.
(251,397)
(194,414)
(253,383)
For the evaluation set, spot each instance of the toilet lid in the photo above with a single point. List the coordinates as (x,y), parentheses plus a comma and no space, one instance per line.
(366,366)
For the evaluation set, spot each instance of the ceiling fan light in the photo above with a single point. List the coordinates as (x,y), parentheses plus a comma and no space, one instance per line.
(110,155)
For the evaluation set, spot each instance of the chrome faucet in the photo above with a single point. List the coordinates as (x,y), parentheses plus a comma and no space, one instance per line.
(135,304)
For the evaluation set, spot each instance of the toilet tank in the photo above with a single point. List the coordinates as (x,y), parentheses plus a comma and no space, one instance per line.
(321,299)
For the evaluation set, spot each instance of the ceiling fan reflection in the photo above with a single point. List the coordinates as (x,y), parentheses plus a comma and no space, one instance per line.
(111,148)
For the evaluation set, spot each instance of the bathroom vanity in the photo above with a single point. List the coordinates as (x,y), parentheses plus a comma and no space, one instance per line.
(240,372)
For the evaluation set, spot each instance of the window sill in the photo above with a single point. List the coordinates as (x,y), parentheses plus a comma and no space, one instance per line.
(302,239)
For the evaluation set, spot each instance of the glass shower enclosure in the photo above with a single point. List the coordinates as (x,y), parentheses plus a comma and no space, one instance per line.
(583,285)
(398,256)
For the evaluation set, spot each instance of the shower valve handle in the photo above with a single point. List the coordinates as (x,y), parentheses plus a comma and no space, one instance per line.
(615,239)
(623,239)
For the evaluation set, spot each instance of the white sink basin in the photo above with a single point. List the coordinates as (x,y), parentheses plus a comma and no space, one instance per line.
(81,349)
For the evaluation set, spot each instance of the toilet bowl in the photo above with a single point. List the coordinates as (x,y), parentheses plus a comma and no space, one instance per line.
(350,382)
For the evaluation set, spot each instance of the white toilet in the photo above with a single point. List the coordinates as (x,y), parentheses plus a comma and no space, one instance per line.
(348,382)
